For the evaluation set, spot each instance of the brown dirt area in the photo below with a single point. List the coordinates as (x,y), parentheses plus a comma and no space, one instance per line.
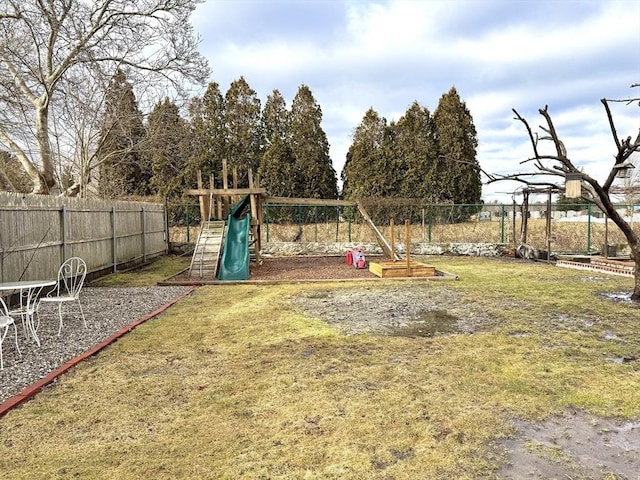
(307,268)
(574,446)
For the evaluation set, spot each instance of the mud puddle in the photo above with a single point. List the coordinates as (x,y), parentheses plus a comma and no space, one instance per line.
(620,297)
(428,323)
(575,445)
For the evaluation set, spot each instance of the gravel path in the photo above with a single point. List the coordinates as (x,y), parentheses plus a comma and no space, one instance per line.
(107,310)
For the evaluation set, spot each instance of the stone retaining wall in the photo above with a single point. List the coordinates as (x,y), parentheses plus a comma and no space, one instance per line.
(313,248)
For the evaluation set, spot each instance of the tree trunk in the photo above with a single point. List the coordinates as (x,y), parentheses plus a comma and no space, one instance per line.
(29,168)
(46,178)
(5,182)
(635,255)
(634,244)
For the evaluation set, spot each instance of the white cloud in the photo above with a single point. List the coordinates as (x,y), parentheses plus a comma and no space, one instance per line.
(383,54)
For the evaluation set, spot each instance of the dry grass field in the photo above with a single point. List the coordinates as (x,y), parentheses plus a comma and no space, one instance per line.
(244,381)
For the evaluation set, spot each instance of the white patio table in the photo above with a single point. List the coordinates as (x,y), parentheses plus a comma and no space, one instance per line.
(29,291)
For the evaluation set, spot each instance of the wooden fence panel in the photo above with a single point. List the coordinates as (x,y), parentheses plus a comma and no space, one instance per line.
(38,232)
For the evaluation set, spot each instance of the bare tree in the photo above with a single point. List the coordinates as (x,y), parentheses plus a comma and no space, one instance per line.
(547,168)
(47,45)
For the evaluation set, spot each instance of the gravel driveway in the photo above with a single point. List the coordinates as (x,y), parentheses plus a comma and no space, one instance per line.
(107,310)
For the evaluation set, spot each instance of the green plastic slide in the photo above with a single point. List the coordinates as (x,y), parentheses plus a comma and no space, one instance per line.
(234,264)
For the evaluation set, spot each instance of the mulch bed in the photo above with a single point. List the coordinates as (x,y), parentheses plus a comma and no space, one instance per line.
(307,268)
(304,268)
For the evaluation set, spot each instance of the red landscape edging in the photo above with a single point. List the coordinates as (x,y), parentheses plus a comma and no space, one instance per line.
(596,267)
(34,388)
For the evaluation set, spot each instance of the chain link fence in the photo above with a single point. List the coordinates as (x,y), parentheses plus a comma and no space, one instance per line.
(568,230)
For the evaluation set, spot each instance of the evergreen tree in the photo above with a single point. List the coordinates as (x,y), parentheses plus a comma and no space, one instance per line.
(564,204)
(167,148)
(123,170)
(417,155)
(275,118)
(277,172)
(457,142)
(317,177)
(369,165)
(198,153)
(208,133)
(244,133)
(214,114)
(277,168)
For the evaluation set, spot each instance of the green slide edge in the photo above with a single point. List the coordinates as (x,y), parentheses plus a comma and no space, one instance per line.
(234,264)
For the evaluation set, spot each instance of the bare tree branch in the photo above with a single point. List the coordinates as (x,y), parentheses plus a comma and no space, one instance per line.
(559,165)
(43,42)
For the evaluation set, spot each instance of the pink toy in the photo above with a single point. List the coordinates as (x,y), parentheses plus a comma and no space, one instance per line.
(358,259)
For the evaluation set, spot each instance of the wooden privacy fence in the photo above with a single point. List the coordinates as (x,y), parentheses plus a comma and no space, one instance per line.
(39,232)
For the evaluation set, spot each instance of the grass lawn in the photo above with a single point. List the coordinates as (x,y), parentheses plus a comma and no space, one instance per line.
(234,382)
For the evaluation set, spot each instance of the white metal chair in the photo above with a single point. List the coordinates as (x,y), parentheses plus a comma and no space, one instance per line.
(70,281)
(5,322)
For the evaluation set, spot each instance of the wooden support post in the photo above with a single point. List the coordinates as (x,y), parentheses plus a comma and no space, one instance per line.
(255,224)
(225,186)
(260,220)
(225,180)
(217,200)
(233,199)
(393,244)
(407,242)
(211,198)
(202,200)
(252,197)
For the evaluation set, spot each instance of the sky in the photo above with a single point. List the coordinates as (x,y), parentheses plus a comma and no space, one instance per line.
(498,54)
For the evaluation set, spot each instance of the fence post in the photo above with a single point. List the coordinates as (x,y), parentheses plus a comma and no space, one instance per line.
(514,221)
(187,222)
(430,223)
(589,228)
(63,232)
(266,220)
(165,217)
(114,239)
(315,221)
(143,239)
(502,223)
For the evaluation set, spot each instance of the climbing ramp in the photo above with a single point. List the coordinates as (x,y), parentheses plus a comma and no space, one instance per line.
(206,255)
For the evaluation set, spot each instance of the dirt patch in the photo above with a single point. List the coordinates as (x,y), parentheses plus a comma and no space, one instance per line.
(574,446)
(412,310)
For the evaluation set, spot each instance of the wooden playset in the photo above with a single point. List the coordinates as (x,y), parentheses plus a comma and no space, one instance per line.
(216,205)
